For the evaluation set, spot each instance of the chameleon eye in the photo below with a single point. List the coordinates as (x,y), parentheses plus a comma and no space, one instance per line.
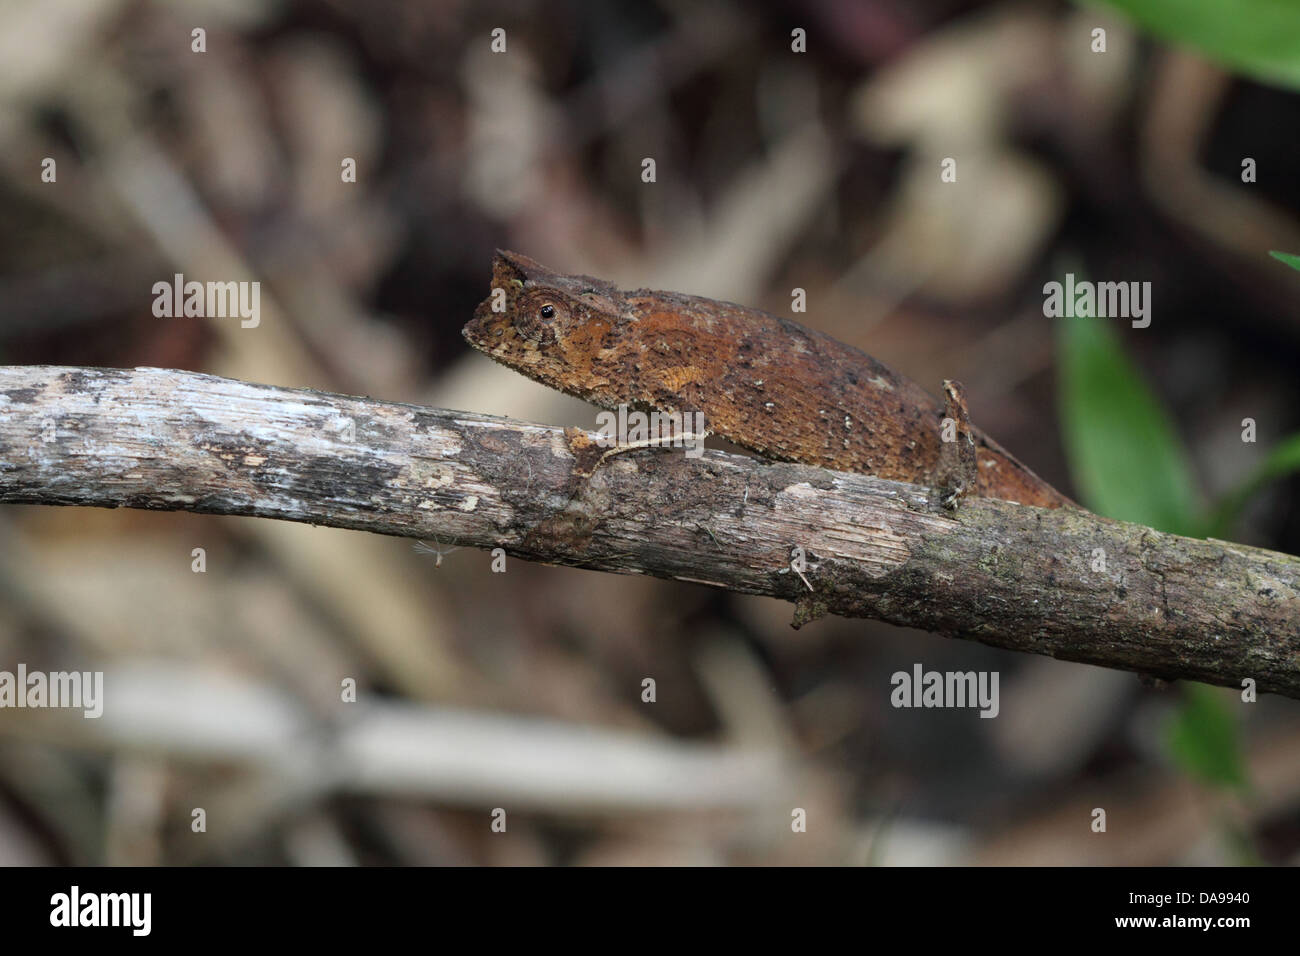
(538,317)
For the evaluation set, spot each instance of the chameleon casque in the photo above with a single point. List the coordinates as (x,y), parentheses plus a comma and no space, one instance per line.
(767,383)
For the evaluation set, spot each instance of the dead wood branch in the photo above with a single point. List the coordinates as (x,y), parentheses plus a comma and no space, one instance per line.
(1062,583)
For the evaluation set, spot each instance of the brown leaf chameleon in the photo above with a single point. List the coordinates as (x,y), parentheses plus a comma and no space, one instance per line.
(767,383)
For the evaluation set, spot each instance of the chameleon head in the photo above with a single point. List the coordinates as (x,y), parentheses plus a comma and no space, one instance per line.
(547,325)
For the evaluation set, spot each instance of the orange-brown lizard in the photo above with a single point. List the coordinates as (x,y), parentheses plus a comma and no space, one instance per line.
(766,383)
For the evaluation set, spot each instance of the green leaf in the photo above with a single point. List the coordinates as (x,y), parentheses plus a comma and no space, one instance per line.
(1282,460)
(1292,261)
(1260,38)
(1125,457)
(1202,739)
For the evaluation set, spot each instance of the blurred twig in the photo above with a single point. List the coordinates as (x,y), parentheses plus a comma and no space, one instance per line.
(1062,583)
(378,747)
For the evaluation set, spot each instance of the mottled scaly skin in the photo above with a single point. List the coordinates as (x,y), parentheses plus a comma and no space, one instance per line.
(766,383)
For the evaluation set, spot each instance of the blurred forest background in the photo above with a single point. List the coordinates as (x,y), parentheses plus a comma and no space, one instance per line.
(775,170)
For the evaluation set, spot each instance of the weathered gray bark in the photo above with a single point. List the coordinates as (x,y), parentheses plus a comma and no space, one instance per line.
(1063,583)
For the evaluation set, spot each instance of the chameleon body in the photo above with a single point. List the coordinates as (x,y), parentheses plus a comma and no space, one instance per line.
(766,383)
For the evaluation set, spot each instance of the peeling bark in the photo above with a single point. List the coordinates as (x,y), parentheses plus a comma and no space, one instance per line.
(1064,583)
